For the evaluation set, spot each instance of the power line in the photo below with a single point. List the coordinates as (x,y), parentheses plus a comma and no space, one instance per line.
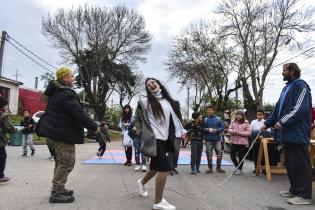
(293,57)
(29,56)
(31,52)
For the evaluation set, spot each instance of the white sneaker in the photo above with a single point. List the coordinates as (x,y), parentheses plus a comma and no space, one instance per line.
(143,190)
(137,168)
(144,168)
(238,172)
(164,205)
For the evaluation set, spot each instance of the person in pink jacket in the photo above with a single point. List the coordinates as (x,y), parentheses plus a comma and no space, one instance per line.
(240,132)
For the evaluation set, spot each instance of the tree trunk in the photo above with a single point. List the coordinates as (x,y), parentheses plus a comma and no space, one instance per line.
(99,113)
(249,103)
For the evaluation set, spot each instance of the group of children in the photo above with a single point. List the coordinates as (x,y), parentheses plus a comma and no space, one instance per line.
(209,130)
(203,131)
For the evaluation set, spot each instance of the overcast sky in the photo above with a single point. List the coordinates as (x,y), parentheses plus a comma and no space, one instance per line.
(164,19)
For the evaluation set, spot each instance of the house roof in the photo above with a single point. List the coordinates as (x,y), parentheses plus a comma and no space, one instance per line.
(10,80)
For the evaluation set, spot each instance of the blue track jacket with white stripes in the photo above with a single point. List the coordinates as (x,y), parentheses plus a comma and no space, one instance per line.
(293,111)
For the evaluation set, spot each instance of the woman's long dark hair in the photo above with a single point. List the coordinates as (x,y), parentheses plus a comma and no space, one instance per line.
(126,117)
(155,104)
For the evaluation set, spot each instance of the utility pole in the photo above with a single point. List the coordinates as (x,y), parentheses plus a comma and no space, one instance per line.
(16,75)
(36,82)
(187,102)
(3,36)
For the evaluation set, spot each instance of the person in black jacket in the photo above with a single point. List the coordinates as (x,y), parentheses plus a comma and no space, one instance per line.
(63,125)
(5,127)
(292,120)
(27,133)
(196,132)
(102,138)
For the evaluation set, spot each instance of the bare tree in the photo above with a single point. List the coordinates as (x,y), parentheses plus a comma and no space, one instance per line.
(127,92)
(198,56)
(103,42)
(258,31)
(47,77)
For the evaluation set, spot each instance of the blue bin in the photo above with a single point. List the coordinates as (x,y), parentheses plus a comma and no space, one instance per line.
(16,138)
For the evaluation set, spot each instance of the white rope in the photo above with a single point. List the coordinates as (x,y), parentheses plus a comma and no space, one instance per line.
(107,146)
(251,146)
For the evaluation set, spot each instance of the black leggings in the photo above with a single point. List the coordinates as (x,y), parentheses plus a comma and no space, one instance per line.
(3,160)
(128,151)
(240,151)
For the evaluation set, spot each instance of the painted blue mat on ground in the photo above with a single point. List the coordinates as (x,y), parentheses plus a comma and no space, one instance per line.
(118,157)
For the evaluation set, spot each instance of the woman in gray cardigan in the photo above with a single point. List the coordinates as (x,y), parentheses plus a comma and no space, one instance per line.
(157,120)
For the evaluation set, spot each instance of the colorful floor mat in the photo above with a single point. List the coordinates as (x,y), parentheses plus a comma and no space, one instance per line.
(118,157)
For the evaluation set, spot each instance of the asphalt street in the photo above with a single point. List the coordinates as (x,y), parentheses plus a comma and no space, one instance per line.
(113,187)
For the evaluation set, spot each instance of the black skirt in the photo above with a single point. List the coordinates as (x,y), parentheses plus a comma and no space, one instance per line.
(160,161)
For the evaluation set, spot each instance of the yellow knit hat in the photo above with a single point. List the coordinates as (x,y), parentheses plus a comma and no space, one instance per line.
(63,71)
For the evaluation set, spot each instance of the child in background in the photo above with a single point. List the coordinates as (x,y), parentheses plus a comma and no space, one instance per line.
(102,138)
(195,131)
(213,127)
(5,127)
(134,134)
(27,133)
(240,132)
(255,126)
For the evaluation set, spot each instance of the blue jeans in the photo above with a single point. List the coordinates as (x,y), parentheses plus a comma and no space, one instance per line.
(137,145)
(27,139)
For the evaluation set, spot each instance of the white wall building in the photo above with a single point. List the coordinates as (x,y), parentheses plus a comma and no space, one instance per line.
(9,89)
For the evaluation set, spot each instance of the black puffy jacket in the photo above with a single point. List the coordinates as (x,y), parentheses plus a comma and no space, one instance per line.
(64,118)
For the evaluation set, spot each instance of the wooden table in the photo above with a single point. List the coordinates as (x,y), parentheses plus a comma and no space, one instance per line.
(263,150)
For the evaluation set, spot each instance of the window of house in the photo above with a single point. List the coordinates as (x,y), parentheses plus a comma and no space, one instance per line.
(5,92)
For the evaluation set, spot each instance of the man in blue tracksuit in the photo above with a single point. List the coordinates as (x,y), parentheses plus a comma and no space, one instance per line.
(213,127)
(292,121)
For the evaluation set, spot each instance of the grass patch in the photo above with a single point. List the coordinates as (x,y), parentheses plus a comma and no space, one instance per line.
(115,135)
(37,138)
(16,119)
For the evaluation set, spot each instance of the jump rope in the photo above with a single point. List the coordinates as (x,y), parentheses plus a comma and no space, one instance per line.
(221,183)
(251,146)
(107,147)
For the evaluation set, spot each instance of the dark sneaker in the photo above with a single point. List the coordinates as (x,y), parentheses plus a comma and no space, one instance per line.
(129,164)
(193,172)
(219,170)
(198,171)
(33,152)
(210,171)
(64,192)
(24,155)
(60,198)
(4,179)
(286,194)
(175,171)
(299,201)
